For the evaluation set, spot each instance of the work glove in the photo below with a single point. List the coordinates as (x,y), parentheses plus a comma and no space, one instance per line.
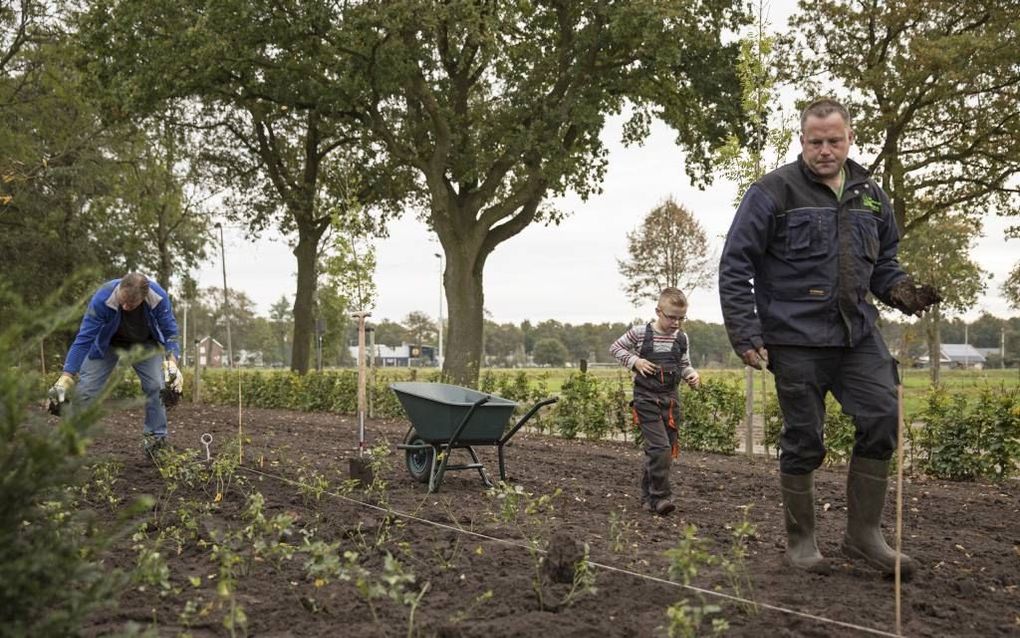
(173,383)
(60,393)
(912,299)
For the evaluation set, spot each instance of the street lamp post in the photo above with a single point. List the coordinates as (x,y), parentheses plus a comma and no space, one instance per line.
(226,302)
(439,357)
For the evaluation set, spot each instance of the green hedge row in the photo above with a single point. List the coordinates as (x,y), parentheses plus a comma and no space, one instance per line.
(589,406)
(953,437)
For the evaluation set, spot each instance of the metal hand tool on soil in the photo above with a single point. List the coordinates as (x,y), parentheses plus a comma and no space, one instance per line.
(206,440)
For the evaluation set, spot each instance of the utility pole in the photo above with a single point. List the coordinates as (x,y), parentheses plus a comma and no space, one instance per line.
(226,300)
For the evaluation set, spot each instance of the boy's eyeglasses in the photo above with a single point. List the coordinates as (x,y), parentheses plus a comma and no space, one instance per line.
(676,318)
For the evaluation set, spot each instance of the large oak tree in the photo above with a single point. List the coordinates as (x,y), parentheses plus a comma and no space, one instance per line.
(497,106)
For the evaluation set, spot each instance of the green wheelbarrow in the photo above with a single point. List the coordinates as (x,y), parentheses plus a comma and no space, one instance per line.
(445,417)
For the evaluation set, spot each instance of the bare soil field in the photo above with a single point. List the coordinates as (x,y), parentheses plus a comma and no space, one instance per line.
(480,558)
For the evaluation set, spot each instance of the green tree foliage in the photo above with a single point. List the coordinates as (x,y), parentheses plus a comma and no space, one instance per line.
(387,333)
(421,328)
(154,196)
(80,190)
(940,254)
(497,105)
(549,351)
(1011,287)
(207,318)
(274,109)
(934,89)
(281,319)
(759,71)
(668,249)
(503,343)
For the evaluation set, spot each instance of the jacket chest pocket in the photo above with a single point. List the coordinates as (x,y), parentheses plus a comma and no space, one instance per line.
(865,228)
(806,235)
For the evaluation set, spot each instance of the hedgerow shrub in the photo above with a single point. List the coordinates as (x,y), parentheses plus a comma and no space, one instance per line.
(710,416)
(585,407)
(961,440)
(589,406)
(521,387)
(839,431)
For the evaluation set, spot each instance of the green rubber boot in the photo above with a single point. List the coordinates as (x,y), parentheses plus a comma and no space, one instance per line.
(799,512)
(866,486)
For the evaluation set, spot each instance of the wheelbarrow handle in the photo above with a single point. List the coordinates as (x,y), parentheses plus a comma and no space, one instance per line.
(467,417)
(524,419)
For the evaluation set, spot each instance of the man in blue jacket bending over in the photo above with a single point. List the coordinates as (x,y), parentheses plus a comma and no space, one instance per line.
(125,313)
(808,244)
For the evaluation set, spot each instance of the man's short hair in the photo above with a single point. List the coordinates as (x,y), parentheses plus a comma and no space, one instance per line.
(824,107)
(134,286)
(673,296)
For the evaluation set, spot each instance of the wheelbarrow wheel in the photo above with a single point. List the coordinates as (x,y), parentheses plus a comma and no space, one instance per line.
(419,461)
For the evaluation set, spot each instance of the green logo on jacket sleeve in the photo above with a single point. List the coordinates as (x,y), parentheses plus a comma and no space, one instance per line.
(871,204)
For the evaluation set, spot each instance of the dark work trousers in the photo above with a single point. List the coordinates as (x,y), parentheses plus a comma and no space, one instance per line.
(657,415)
(863,379)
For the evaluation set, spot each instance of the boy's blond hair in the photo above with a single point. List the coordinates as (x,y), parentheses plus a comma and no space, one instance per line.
(673,296)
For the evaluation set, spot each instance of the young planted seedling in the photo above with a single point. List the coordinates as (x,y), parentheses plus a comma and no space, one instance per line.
(620,529)
(98,490)
(735,563)
(685,561)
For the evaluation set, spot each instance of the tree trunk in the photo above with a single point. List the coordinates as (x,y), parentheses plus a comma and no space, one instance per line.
(465,299)
(934,343)
(306,252)
(165,269)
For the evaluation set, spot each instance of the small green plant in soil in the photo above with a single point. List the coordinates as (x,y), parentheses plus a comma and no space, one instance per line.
(394,583)
(620,529)
(687,618)
(312,485)
(98,490)
(735,563)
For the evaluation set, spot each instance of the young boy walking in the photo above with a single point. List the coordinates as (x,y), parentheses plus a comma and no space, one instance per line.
(657,352)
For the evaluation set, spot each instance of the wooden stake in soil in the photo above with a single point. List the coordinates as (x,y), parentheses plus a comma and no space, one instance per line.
(749,410)
(899,505)
(360,469)
(240,433)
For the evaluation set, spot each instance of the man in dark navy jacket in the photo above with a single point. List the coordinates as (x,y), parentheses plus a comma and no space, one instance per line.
(808,244)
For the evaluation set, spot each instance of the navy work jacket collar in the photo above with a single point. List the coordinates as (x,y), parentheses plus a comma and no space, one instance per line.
(855,173)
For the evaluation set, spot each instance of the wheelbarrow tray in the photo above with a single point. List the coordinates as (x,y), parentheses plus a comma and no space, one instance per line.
(446,417)
(437,409)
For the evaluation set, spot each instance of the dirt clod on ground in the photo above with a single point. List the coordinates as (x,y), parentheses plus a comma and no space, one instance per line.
(562,556)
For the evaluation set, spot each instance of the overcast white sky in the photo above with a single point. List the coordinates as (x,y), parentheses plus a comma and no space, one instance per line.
(566,272)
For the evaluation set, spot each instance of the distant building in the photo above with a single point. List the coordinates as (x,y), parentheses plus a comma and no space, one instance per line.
(958,355)
(211,353)
(403,356)
(250,358)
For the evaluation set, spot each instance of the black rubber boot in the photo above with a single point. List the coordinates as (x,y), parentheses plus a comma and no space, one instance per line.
(659,490)
(799,512)
(866,485)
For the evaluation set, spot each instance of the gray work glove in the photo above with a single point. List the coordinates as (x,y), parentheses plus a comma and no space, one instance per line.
(173,383)
(913,299)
